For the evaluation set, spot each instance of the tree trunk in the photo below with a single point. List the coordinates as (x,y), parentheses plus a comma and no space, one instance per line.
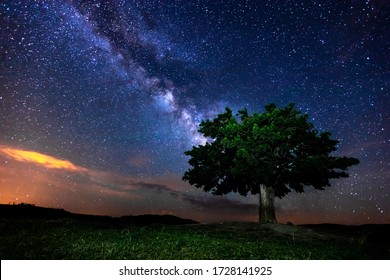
(266,205)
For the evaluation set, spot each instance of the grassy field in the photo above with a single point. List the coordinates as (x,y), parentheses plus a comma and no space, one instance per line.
(74,239)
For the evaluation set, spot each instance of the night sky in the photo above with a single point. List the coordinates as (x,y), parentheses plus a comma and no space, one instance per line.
(100,99)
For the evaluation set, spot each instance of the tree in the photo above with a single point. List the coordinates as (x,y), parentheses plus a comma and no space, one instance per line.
(269,154)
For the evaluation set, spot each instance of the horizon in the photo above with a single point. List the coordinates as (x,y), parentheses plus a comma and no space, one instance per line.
(175,216)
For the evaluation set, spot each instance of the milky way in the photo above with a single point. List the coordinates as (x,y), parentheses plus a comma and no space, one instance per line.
(118,88)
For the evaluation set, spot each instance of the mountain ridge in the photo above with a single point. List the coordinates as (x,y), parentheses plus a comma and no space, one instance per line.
(31,211)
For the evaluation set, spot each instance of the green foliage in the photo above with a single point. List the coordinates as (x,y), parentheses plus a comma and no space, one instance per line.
(278,148)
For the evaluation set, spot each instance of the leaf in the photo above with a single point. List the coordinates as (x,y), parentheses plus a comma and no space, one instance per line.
(278,148)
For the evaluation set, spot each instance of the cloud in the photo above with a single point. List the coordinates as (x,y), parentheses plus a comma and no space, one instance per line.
(218,204)
(63,184)
(158,187)
(39,159)
(206,204)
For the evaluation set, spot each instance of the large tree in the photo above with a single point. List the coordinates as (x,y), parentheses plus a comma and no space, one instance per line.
(269,154)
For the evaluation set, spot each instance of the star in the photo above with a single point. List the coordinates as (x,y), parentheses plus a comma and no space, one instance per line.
(118,90)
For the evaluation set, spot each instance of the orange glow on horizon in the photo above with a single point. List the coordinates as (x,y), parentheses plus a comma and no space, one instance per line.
(52,182)
(40,159)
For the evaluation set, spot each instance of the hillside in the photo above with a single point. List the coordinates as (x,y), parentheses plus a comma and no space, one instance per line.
(29,211)
(31,232)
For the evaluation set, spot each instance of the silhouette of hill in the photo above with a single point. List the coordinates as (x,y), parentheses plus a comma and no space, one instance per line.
(29,211)
(21,221)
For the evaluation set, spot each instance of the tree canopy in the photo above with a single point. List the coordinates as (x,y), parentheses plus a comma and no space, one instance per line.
(279,149)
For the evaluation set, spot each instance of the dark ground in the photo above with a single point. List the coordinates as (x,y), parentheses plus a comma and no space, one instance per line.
(30,232)
(374,238)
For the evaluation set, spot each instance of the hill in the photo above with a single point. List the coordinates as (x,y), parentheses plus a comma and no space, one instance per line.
(31,232)
(29,211)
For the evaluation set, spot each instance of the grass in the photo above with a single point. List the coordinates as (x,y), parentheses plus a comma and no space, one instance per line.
(73,239)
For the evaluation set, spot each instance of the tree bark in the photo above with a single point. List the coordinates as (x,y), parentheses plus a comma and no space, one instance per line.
(266,205)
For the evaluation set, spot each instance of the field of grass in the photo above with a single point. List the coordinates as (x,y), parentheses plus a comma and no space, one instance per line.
(74,239)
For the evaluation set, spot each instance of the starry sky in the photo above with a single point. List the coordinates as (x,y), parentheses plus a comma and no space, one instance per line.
(100,99)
